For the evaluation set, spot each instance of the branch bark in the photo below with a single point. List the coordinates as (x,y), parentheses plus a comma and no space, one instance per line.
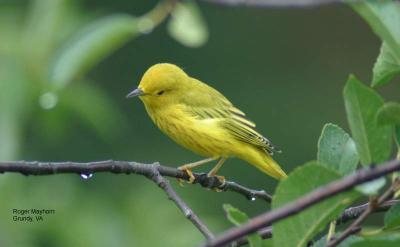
(164,184)
(348,215)
(373,205)
(312,198)
(118,167)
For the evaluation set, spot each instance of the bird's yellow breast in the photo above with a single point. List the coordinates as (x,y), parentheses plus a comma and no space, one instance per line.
(202,136)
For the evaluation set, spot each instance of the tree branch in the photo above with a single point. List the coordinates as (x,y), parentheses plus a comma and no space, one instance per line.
(47,168)
(354,212)
(164,184)
(310,199)
(356,225)
(348,215)
(274,3)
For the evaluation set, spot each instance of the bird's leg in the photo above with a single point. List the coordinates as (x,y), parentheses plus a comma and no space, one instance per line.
(188,167)
(214,171)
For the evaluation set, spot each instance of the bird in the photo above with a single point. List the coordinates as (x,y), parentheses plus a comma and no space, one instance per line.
(203,120)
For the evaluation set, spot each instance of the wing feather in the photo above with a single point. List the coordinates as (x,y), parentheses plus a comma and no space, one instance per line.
(208,103)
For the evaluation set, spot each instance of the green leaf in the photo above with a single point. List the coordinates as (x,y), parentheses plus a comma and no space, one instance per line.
(234,215)
(297,230)
(384,18)
(389,113)
(373,187)
(392,217)
(187,25)
(337,150)
(392,240)
(397,137)
(373,142)
(237,217)
(90,45)
(386,67)
(346,243)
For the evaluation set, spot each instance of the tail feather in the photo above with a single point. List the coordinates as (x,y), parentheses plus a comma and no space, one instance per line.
(264,162)
(271,167)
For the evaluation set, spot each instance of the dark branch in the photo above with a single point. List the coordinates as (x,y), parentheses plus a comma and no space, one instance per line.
(164,184)
(372,206)
(348,215)
(312,198)
(354,212)
(118,167)
(274,3)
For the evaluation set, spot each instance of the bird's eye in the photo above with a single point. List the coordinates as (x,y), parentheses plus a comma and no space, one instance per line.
(160,92)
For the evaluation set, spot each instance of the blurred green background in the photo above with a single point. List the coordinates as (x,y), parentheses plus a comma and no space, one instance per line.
(284,67)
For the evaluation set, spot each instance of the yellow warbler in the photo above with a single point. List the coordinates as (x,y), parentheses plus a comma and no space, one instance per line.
(201,119)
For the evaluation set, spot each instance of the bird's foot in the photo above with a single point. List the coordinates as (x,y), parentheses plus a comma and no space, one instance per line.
(221,180)
(187,170)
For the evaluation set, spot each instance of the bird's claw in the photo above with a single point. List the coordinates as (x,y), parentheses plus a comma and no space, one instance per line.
(221,180)
(189,173)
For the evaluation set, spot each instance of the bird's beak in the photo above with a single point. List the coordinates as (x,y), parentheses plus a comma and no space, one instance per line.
(136,92)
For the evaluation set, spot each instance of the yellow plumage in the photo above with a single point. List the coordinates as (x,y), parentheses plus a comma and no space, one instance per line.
(201,119)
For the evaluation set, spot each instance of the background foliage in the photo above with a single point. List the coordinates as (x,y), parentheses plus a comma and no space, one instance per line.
(65,67)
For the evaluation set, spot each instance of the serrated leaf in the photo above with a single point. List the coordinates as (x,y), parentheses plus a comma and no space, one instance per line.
(389,113)
(373,142)
(384,18)
(337,149)
(90,45)
(297,230)
(187,25)
(386,67)
(237,217)
(392,240)
(392,217)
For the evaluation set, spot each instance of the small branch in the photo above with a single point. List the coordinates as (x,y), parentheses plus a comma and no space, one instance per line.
(356,225)
(160,12)
(348,215)
(274,3)
(164,184)
(48,168)
(310,199)
(354,212)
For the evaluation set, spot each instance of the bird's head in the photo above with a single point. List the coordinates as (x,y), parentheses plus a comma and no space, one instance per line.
(161,84)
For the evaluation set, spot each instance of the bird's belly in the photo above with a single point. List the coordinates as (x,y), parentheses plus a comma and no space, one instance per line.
(203,138)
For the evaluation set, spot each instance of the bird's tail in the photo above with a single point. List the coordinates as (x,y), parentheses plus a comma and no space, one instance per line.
(266,164)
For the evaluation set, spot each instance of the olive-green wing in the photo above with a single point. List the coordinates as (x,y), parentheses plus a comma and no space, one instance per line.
(235,122)
(244,130)
(207,103)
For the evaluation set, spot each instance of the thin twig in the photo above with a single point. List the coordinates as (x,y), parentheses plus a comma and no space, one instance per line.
(162,10)
(310,199)
(164,184)
(275,3)
(354,212)
(348,215)
(118,167)
(357,223)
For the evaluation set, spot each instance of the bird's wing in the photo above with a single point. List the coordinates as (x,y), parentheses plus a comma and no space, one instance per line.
(213,105)
(244,130)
